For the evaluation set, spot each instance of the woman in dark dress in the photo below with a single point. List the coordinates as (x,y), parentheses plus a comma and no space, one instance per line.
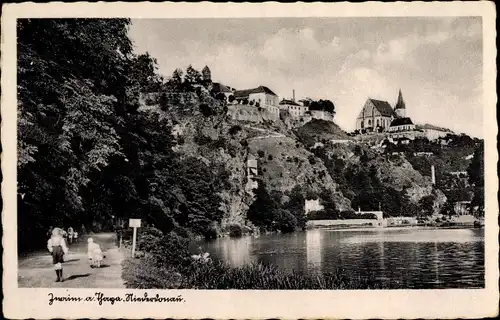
(57,247)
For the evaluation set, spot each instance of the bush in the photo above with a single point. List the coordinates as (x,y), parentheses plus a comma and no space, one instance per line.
(261,153)
(231,98)
(285,221)
(206,110)
(220,96)
(210,233)
(202,140)
(311,159)
(235,231)
(244,143)
(270,157)
(234,129)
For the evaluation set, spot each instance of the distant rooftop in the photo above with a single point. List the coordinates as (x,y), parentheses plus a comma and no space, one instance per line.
(290,102)
(383,107)
(247,92)
(401,122)
(219,87)
(433,127)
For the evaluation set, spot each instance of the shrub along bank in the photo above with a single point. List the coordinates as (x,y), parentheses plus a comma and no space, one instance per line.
(164,262)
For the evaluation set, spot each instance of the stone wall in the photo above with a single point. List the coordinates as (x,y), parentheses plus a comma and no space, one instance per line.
(250,113)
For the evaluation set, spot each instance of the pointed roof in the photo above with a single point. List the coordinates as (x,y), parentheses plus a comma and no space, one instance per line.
(206,68)
(401,103)
(383,107)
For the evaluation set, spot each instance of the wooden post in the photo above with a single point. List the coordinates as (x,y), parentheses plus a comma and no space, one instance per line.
(133,242)
(134,223)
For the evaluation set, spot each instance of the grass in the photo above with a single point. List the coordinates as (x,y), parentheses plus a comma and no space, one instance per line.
(144,274)
(161,269)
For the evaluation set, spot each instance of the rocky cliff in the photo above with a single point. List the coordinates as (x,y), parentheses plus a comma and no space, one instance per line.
(286,157)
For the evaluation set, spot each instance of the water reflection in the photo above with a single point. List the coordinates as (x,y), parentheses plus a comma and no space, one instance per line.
(236,252)
(314,249)
(417,258)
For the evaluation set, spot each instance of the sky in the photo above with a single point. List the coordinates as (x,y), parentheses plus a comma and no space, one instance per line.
(436,62)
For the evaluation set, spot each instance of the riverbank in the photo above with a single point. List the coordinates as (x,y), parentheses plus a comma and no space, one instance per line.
(353,227)
(164,262)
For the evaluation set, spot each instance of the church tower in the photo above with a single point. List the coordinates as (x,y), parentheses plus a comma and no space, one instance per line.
(400,108)
(207,74)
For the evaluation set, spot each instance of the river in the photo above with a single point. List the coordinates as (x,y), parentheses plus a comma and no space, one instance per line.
(414,257)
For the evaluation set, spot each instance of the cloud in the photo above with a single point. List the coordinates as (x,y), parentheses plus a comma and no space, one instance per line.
(437,64)
(300,51)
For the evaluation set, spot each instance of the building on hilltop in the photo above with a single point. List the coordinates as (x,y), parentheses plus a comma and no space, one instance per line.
(214,87)
(322,115)
(262,97)
(295,109)
(218,87)
(375,114)
(379,116)
(432,132)
(401,124)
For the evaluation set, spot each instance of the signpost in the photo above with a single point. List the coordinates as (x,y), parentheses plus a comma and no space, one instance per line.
(134,223)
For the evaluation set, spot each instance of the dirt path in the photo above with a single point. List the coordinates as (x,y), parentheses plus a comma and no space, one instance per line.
(36,270)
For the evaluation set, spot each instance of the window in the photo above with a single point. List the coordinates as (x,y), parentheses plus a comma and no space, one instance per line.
(369,123)
(378,123)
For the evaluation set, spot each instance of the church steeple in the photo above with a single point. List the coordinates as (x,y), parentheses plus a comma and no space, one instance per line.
(400,107)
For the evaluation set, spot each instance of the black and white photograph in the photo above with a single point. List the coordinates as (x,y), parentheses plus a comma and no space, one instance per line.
(325,153)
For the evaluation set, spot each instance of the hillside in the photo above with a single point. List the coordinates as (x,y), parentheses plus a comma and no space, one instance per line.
(320,131)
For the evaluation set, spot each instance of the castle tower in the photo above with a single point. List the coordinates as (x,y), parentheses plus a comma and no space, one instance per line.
(400,108)
(207,74)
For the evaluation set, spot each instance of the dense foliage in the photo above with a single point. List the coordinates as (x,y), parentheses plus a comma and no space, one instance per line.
(476,179)
(269,213)
(86,155)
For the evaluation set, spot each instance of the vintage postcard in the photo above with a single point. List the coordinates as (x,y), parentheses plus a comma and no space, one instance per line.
(201,160)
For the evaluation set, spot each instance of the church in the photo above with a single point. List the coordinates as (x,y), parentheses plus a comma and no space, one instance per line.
(379,116)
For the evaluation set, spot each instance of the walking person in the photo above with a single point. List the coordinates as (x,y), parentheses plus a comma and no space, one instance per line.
(70,234)
(57,247)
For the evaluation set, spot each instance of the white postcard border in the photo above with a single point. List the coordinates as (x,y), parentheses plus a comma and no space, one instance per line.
(456,303)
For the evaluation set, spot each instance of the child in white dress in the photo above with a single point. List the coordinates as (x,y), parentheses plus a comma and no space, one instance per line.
(94,253)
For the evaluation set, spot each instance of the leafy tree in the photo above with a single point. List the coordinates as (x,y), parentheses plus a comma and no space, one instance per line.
(231,99)
(192,76)
(476,178)
(295,205)
(263,209)
(85,154)
(176,80)
(322,105)
(426,204)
